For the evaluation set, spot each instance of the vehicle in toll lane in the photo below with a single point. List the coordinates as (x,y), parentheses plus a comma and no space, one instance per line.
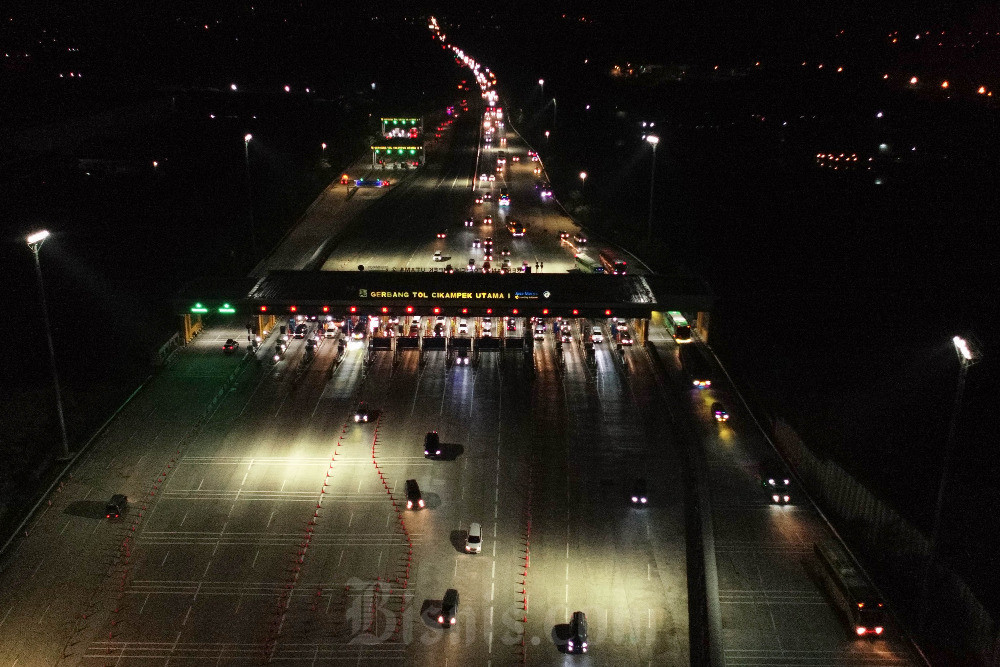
(487,326)
(488,220)
(511,324)
(696,368)
(442,235)
(438,257)
(505,265)
(301,329)
(719,412)
(432,445)
(479,200)
(476,243)
(577,633)
(579,238)
(463,327)
(566,335)
(487,196)
(462,358)
(516,229)
(230,346)
(854,596)
(469,221)
(505,252)
(538,330)
(474,539)
(637,492)
(449,609)
(413,497)
(472,265)
(115,506)
(362,413)
(449,269)
(596,335)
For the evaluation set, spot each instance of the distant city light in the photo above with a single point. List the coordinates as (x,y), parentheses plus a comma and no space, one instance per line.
(982,90)
(232,86)
(913,80)
(247,137)
(288,89)
(944,84)
(878,115)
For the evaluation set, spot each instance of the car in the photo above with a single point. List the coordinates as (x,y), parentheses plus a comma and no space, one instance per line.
(545,190)
(442,235)
(532,153)
(300,330)
(362,413)
(474,539)
(330,330)
(439,329)
(488,220)
(449,269)
(479,199)
(596,335)
(719,411)
(432,444)
(469,221)
(413,497)
(230,346)
(487,196)
(539,331)
(516,158)
(484,177)
(449,609)
(472,265)
(487,324)
(493,177)
(311,345)
(577,633)
(563,236)
(505,265)
(462,358)
(637,493)
(438,257)
(476,243)
(505,252)
(488,241)
(579,238)
(511,325)
(414,330)
(534,158)
(525,266)
(116,506)
(775,481)
(623,336)
(566,336)
(463,327)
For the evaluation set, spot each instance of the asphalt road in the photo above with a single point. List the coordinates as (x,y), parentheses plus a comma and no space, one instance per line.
(266,525)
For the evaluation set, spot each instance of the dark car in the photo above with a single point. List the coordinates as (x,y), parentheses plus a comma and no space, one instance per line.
(449,609)
(719,411)
(230,346)
(413,497)
(638,492)
(363,413)
(432,444)
(300,330)
(577,633)
(116,506)
(775,481)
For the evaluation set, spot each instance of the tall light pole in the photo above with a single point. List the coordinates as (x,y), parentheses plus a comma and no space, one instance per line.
(966,357)
(246,162)
(653,141)
(35,242)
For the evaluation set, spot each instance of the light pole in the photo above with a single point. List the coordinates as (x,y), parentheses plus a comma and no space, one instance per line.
(541,83)
(653,141)
(583,180)
(35,242)
(966,357)
(246,162)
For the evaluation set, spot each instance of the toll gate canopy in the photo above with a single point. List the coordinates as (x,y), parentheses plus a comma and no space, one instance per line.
(435,292)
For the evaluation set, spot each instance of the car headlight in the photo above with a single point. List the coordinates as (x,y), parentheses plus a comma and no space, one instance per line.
(776,497)
(787,498)
(635,499)
(440,619)
(409,504)
(357,418)
(570,645)
(421,502)
(643,500)
(453,620)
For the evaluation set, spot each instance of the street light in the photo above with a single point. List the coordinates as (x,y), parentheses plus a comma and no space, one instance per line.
(966,357)
(246,163)
(653,141)
(583,179)
(541,82)
(35,242)
(555,108)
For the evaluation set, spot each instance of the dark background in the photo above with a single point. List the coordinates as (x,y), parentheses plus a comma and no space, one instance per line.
(837,295)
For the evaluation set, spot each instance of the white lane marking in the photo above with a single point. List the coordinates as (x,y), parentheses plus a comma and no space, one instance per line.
(186,514)
(649,571)
(184,622)
(4,620)
(144,603)
(359,484)
(270,518)
(649,617)
(492,590)
(455,576)
(64,528)
(351,520)
(491,630)
(200,483)
(282,485)
(44,611)
(341,559)
(164,559)
(379,564)
(37,567)
(494,574)
(95,529)
(254,563)
(238,603)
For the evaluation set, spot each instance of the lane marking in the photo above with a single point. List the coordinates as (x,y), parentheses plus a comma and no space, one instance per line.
(254,563)
(184,622)
(144,603)
(165,559)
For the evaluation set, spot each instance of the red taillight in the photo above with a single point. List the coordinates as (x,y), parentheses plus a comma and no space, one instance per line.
(861,631)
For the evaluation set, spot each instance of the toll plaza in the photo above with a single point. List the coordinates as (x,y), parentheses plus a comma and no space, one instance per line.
(474,313)
(401,144)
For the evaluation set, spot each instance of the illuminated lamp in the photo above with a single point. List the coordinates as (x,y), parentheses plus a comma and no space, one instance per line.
(384,309)
(437,311)
(263,309)
(514,311)
(545,311)
(293,308)
(326,309)
(607,312)
(465,310)
(576,312)
(409,309)
(354,309)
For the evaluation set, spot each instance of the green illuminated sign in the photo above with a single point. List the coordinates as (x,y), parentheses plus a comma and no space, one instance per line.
(226,309)
(198,308)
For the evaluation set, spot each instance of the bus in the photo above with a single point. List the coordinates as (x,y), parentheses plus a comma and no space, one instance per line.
(855,597)
(678,326)
(612,263)
(695,367)
(516,228)
(587,265)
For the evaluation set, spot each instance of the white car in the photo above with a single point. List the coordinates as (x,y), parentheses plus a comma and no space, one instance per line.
(463,327)
(437,256)
(487,326)
(474,539)
(596,335)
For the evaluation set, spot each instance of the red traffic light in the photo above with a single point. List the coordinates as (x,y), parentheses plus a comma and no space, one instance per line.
(514,311)
(489,311)
(354,309)
(263,309)
(545,311)
(326,309)
(437,311)
(409,309)
(576,312)
(607,312)
(293,308)
(384,309)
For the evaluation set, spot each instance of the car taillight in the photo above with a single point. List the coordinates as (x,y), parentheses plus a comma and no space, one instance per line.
(635,499)
(776,497)
(440,619)
(453,620)
(878,630)
(409,504)
(421,502)
(861,630)
(644,501)
(787,498)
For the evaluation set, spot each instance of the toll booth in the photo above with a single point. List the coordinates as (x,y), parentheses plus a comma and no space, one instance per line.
(401,144)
